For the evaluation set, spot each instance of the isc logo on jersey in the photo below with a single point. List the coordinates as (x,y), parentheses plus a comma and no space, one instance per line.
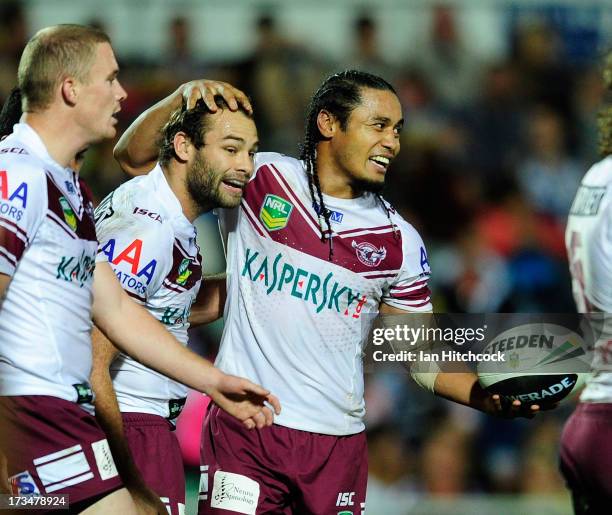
(12,202)
(131,256)
(23,484)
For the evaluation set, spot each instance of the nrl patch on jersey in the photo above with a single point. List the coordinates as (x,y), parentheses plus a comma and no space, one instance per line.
(275,212)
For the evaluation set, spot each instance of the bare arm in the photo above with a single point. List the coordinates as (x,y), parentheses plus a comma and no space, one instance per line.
(4,282)
(124,322)
(210,302)
(465,389)
(137,149)
(109,418)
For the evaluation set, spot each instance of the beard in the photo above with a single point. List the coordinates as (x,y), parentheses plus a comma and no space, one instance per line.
(203,184)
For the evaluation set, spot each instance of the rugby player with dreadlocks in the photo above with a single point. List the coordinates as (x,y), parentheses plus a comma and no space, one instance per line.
(312,249)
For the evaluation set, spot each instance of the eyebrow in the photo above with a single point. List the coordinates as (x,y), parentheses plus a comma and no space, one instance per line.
(386,120)
(240,140)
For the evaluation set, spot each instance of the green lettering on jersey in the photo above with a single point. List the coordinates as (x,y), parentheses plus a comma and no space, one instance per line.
(300,283)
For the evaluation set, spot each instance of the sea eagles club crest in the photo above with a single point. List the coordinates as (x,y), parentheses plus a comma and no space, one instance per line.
(368,254)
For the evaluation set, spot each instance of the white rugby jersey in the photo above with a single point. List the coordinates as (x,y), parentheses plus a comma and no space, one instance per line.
(293,322)
(588,239)
(48,245)
(152,248)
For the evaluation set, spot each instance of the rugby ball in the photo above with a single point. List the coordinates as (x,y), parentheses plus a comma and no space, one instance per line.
(536,364)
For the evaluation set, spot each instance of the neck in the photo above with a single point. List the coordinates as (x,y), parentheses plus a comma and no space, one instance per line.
(62,138)
(333,181)
(175,175)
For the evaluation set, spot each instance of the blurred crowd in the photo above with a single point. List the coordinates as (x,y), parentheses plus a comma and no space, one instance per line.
(492,154)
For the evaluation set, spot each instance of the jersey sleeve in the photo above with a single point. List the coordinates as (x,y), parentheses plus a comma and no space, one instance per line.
(23,203)
(139,250)
(409,290)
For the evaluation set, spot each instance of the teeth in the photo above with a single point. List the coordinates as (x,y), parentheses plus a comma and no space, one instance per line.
(381,160)
(237,184)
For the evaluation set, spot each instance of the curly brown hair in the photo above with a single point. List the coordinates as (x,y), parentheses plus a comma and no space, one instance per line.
(604,117)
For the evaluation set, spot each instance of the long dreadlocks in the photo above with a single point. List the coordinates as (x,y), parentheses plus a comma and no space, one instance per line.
(339,94)
(11,112)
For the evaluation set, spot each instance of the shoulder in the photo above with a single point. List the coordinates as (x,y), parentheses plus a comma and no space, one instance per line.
(280,162)
(129,213)
(121,203)
(600,174)
(16,162)
(23,181)
(413,247)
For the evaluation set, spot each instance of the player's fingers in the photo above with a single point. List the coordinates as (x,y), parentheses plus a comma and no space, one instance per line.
(249,424)
(274,402)
(497,403)
(244,101)
(269,416)
(249,387)
(190,95)
(229,94)
(208,96)
(260,420)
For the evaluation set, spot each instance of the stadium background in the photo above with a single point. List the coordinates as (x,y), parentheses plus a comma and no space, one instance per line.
(500,99)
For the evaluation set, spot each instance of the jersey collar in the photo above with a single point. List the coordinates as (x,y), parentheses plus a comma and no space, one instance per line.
(171,204)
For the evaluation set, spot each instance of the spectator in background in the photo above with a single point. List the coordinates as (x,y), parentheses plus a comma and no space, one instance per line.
(494,121)
(448,65)
(366,55)
(548,176)
(181,62)
(13,38)
(391,485)
(545,76)
(445,462)
(279,75)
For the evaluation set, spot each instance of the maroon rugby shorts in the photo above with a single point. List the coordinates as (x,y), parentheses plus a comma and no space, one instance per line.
(279,470)
(158,457)
(53,446)
(586,457)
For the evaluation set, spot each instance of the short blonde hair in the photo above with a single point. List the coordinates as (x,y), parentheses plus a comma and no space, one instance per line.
(53,54)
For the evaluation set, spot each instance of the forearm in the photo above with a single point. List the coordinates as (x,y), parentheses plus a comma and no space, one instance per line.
(136,332)
(108,414)
(210,302)
(4,282)
(147,341)
(137,151)
(462,388)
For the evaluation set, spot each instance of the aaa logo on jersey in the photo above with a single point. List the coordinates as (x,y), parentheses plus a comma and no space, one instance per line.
(275,212)
(368,254)
(69,215)
(184,272)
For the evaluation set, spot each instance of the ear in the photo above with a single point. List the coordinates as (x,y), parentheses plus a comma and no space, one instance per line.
(183,148)
(327,123)
(69,90)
